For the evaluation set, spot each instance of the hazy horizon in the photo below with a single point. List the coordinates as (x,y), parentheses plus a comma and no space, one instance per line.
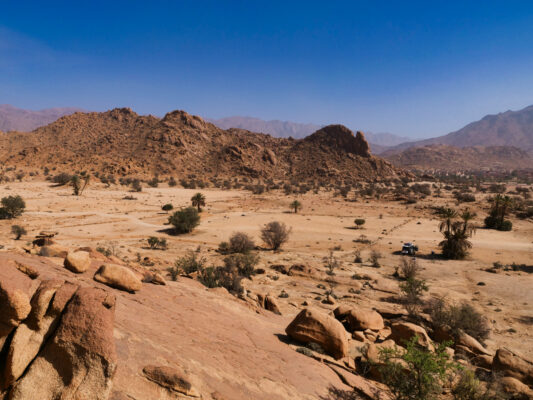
(417,70)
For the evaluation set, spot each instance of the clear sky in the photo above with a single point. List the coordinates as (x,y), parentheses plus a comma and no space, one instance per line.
(415,68)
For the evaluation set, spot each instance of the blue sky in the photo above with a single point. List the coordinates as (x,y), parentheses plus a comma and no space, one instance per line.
(414,68)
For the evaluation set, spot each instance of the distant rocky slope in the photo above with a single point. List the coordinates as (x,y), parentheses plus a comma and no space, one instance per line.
(123,142)
(17,119)
(450,158)
(511,128)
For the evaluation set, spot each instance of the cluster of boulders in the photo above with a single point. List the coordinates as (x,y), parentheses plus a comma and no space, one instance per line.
(353,327)
(56,338)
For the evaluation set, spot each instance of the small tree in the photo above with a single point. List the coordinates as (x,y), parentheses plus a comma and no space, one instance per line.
(416,373)
(185,220)
(275,234)
(12,207)
(136,185)
(18,231)
(172,182)
(359,222)
(374,259)
(187,265)
(331,263)
(412,291)
(198,201)
(240,242)
(244,264)
(296,205)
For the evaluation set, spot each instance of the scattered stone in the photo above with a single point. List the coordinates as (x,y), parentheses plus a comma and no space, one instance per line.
(53,250)
(28,270)
(515,387)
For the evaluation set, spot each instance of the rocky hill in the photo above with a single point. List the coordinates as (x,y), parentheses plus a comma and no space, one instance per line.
(450,158)
(18,119)
(122,142)
(511,128)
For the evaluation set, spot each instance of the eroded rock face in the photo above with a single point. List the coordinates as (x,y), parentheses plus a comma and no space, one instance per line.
(47,305)
(79,361)
(314,326)
(118,277)
(171,379)
(16,290)
(78,261)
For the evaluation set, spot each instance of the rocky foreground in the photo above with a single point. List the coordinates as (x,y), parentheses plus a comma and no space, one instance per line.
(79,325)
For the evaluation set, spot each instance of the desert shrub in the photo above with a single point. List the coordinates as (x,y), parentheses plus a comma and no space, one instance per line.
(187,265)
(465,197)
(12,207)
(415,373)
(468,387)
(331,263)
(457,318)
(363,239)
(357,256)
(375,256)
(359,222)
(18,231)
(62,179)
(411,292)
(136,185)
(172,182)
(422,188)
(240,242)
(167,207)
(221,277)
(275,234)
(411,200)
(185,220)
(157,243)
(497,188)
(223,248)
(408,269)
(154,182)
(244,264)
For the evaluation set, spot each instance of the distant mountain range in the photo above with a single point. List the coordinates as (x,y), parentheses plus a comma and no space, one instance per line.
(18,119)
(378,141)
(510,128)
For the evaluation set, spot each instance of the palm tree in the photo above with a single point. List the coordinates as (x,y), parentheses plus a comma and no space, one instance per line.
(506,203)
(456,233)
(198,201)
(296,205)
(447,215)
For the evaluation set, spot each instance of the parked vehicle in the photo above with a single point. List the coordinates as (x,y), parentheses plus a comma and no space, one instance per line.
(409,249)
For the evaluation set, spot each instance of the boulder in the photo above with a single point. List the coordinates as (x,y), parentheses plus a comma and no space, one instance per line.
(171,378)
(47,305)
(271,304)
(513,365)
(16,290)
(53,250)
(314,326)
(514,387)
(79,360)
(359,320)
(472,344)
(118,277)
(402,332)
(77,261)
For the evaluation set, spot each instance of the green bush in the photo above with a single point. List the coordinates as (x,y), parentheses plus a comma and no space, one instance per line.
(12,207)
(187,265)
(156,243)
(185,220)
(359,222)
(416,373)
(18,231)
(240,242)
(244,264)
(167,207)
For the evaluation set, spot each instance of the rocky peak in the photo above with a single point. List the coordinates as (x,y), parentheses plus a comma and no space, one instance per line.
(341,138)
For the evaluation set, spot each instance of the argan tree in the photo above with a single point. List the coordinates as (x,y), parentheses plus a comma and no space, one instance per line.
(296,205)
(198,201)
(185,220)
(18,231)
(12,207)
(275,234)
